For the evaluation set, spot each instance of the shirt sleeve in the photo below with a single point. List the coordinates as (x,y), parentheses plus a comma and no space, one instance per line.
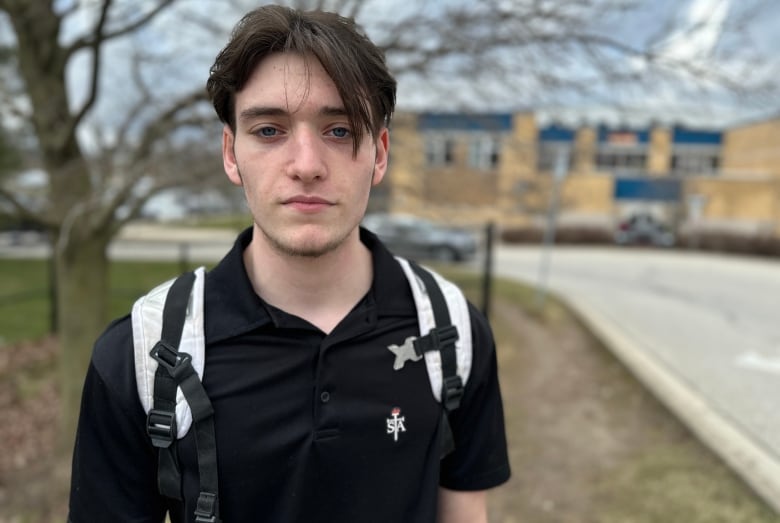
(114,474)
(480,459)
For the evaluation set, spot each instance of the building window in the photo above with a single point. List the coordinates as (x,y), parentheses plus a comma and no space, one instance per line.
(439,150)
(484,152)
(691,163)
(547,155)
(621,160)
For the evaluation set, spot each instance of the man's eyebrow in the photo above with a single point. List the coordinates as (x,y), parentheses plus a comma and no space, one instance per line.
(254,112)
(251,113)
(333,111)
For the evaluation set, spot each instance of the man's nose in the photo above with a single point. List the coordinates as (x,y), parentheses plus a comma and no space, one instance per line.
(307,155)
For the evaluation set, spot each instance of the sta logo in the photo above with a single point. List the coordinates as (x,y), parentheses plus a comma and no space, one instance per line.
(396,423)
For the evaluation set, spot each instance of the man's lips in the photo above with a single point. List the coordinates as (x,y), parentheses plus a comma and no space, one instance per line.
(307,203)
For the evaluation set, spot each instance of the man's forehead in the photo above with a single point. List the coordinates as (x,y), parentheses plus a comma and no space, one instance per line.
(289,80)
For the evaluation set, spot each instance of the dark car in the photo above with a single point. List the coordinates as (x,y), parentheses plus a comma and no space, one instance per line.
(644,229)
(421,239)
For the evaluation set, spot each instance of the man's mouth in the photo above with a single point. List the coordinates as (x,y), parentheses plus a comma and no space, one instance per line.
(307,204)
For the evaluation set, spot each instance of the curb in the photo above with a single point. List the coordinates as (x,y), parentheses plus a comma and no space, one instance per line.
(757,465)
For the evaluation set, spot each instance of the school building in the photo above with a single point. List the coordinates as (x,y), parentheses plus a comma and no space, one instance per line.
(507,168)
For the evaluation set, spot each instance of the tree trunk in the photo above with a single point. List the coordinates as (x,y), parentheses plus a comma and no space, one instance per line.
(82,299)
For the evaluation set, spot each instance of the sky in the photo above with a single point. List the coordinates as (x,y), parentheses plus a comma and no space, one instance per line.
(181,52)
(704,33)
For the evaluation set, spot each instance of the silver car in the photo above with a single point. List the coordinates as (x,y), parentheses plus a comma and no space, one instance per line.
(644,229)
(420,239)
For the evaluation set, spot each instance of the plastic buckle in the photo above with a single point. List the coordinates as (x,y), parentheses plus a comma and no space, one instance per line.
(451,392)
(445,335)
(206,508)
(170,358)
(161,427)
(436,339)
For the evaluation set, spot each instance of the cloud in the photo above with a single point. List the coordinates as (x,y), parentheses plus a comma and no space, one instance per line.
(699,33)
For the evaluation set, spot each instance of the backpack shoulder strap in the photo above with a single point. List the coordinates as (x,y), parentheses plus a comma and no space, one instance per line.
(457,308)
(445,338)
(147,321)
(173,314)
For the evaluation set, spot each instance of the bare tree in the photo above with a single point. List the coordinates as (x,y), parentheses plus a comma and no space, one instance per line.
(89,186)
(514,51)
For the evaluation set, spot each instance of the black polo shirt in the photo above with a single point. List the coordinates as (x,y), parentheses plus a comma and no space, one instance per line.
(310,427)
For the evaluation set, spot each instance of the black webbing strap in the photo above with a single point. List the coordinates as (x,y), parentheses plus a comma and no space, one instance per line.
(175,370)
(442,338)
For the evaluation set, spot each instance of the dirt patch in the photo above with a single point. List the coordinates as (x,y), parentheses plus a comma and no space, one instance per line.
(33,481)
(587,443)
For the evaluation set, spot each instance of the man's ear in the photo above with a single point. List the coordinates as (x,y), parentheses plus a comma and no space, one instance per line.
(229,162)
(382,154)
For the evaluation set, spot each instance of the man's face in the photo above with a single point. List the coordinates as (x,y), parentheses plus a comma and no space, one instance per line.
(292,152)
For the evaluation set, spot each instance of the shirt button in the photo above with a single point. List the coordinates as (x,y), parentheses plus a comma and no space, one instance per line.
(325,396)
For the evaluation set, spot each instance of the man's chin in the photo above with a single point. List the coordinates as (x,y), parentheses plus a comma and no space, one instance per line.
(305,246)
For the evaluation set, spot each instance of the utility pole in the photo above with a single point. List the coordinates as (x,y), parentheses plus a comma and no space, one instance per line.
(560,171)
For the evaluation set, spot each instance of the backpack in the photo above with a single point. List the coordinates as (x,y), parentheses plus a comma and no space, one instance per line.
(169,352)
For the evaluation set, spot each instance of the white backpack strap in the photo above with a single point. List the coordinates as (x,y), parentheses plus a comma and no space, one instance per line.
(459,315)
(147,320)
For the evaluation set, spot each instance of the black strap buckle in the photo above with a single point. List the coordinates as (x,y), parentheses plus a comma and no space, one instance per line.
(161,427)
(451,392)
(206,508)
(170,358)
(436,339)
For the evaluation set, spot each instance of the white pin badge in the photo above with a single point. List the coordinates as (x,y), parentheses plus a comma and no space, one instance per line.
(404,353)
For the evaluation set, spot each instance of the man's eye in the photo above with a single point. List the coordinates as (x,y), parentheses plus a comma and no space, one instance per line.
(340,132)
(266,132)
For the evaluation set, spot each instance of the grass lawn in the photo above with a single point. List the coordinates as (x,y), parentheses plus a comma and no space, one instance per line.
(24,293)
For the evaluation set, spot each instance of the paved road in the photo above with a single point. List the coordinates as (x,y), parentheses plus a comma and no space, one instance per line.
(703,331)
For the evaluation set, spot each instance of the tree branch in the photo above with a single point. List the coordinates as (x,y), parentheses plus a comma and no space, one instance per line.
(87,40)
(95,45)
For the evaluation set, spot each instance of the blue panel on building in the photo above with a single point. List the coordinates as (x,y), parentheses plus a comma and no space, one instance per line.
(681,135)
(556,133)
(652,189)
(492,122)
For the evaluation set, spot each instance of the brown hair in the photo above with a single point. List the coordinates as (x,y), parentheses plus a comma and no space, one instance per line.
(352,61)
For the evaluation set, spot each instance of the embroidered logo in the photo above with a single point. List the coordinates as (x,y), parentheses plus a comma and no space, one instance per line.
(395,425)
(404,353)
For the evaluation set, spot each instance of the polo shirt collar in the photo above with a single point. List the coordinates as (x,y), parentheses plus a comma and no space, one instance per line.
(233,307)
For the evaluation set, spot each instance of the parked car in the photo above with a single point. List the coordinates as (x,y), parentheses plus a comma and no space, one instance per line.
(644,229)
(420,239)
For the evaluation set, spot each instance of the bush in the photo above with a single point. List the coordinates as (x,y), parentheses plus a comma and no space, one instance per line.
(755,244)
(565,234)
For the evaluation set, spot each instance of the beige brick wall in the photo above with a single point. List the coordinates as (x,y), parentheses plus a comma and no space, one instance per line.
(405,174)
(659,156)
(753,149)
(588,194)
(734,199)
(585,148)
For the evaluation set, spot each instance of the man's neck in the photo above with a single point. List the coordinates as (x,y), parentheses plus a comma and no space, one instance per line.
(321,290)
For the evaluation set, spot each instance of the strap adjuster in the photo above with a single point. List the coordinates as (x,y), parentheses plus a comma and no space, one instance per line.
(436,339)
(161,427)
(170,358)
(206,508)
(451,392)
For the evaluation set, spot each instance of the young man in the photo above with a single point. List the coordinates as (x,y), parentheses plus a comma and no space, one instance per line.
(313,420)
